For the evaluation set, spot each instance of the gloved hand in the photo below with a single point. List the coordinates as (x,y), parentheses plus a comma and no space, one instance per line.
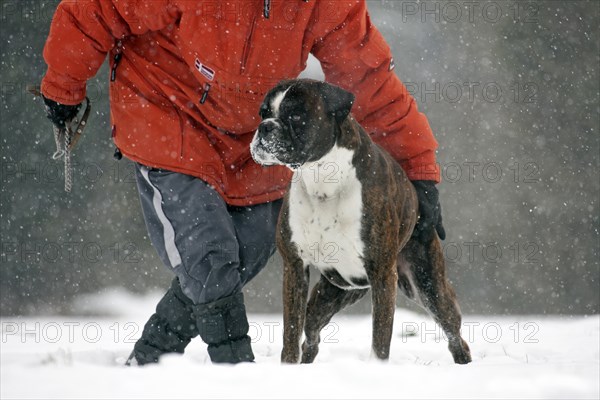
(430,212)
(60,113)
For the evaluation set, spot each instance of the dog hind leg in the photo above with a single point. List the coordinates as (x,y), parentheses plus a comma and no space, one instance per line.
(428,277)
(325,301)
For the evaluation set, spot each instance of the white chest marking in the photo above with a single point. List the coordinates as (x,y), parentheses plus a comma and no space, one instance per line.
(325,214)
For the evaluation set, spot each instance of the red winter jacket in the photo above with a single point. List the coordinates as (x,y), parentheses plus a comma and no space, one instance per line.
(188,77)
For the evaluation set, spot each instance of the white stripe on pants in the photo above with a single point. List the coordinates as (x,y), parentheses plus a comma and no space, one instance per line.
(168,231)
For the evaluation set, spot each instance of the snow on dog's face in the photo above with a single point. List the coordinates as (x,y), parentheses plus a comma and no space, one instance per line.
(300,122)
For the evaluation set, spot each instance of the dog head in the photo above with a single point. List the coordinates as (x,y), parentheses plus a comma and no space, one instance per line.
(300,122)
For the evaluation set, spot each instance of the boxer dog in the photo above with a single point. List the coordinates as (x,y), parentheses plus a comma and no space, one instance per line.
(350,212)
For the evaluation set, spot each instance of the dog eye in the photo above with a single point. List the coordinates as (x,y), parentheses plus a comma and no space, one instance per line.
(264,109)
(295,118)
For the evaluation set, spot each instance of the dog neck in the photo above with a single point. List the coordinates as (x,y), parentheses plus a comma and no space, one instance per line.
(329,177)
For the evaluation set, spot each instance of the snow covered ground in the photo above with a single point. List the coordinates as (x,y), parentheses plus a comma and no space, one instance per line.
(513,357)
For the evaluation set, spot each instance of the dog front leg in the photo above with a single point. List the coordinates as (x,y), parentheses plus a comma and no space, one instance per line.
(384,305)
(295,292)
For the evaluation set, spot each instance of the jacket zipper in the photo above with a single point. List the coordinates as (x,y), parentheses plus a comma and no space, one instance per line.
(113,75)
(246,50)
(205,90)
(116,61)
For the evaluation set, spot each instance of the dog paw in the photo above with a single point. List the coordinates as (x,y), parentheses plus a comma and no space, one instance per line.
(460,352)
(289,358)
(309,353)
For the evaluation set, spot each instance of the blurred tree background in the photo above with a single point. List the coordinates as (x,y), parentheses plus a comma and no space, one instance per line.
(511,89)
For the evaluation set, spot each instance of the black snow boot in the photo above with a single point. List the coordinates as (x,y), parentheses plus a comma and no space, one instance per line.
(169,330)
(223,325)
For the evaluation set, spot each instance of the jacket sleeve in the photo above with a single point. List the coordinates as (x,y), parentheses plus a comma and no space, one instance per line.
(355,56)
(84,31)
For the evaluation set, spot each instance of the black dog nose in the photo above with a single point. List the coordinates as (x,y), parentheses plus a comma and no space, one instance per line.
(267,127)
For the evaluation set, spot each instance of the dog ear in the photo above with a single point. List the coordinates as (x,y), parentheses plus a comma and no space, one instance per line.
(338,100)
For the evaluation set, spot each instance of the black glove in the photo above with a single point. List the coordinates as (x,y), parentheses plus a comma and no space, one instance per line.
(430,212)
(60,113)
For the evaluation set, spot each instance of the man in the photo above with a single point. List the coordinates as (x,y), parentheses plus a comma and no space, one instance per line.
(187,78)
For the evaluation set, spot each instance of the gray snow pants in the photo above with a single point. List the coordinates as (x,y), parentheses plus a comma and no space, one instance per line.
(213,248)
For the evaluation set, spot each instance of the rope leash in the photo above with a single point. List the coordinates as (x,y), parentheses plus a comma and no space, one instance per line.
(66,138)
(63,140)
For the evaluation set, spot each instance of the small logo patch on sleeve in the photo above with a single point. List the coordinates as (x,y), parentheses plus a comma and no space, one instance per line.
(392,64)
(207,72)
